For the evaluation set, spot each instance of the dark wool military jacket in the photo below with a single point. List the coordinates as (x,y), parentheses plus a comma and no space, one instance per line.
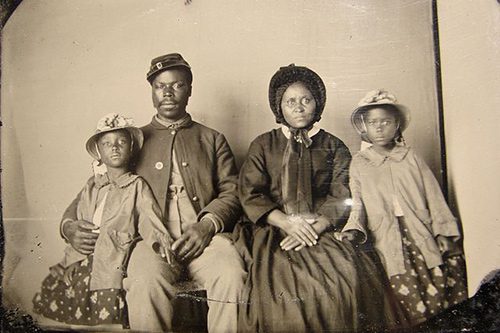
(206,163)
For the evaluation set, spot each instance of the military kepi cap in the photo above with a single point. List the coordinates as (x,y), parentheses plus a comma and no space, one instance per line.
(164,62)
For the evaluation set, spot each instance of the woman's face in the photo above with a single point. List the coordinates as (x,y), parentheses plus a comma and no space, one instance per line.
(298,105)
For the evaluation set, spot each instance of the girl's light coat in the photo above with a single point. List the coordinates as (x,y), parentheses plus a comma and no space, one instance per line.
(130,212)
(375,181)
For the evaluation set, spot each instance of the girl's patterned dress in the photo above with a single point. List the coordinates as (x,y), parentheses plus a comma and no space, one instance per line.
(424,292)
(77,305)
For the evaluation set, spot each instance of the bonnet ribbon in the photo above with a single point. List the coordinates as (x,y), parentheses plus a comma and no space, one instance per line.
(297,173)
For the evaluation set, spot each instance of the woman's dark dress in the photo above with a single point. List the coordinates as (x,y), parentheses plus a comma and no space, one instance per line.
(330,286)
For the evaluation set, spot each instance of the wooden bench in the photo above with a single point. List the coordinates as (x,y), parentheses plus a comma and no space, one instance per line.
(190,308)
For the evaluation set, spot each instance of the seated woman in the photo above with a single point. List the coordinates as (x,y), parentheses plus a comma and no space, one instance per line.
(294,188)
(86,288)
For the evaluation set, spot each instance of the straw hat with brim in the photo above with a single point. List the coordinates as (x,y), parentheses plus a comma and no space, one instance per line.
(372,100)
(113,122)
(288,75)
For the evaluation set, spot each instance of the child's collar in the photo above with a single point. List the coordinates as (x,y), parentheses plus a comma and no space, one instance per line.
(397,154)
(122,181)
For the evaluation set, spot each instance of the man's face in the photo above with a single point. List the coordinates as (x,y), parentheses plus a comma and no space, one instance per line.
(171,91)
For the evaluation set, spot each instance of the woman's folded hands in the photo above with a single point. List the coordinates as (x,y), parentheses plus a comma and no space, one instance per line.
(303,231)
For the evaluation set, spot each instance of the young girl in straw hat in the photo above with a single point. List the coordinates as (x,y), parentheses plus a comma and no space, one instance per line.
(398,203)
(120,207)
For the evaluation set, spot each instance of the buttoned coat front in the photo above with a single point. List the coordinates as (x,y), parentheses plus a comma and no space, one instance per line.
(260,177)
(206,163)
(376,182)
(130,211)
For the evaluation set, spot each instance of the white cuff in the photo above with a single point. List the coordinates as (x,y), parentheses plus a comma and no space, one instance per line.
(215,222)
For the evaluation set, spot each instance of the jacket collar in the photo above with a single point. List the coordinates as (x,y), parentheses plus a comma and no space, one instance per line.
(397,154)
(186,121)
(123,181)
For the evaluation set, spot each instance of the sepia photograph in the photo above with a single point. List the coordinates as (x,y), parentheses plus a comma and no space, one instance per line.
(250,166)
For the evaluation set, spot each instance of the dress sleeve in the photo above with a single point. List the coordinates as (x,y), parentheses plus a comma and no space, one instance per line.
(255,183)
(357,217)
(70,214)
(149,223)
(443,221)
(335,207)
(226,206)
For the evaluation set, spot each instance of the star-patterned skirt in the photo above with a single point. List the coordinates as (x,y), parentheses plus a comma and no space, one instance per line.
(75,304)
(424,292)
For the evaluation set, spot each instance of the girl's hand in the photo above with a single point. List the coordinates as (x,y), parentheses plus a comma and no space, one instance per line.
(57,271)
(445,244)
(352,236)
(82,235)
(301,230)
(70,273)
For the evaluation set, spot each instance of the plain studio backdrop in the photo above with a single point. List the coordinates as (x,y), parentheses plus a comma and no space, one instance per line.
(65,64)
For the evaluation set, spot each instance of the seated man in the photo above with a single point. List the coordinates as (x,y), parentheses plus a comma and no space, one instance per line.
(193,175)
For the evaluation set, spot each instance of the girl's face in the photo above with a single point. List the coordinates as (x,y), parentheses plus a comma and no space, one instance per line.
(298,105)
(115,148)
(381,127)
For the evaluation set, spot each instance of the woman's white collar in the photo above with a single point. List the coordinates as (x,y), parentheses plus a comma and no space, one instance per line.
(312,132)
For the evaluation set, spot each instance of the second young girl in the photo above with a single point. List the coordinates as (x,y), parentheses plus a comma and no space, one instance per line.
(398,203)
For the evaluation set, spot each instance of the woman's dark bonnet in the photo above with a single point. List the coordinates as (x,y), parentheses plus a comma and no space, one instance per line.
(288,75)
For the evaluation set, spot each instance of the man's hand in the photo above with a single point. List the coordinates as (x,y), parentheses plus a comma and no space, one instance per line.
(165,252)
(80,235)
(194,240)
